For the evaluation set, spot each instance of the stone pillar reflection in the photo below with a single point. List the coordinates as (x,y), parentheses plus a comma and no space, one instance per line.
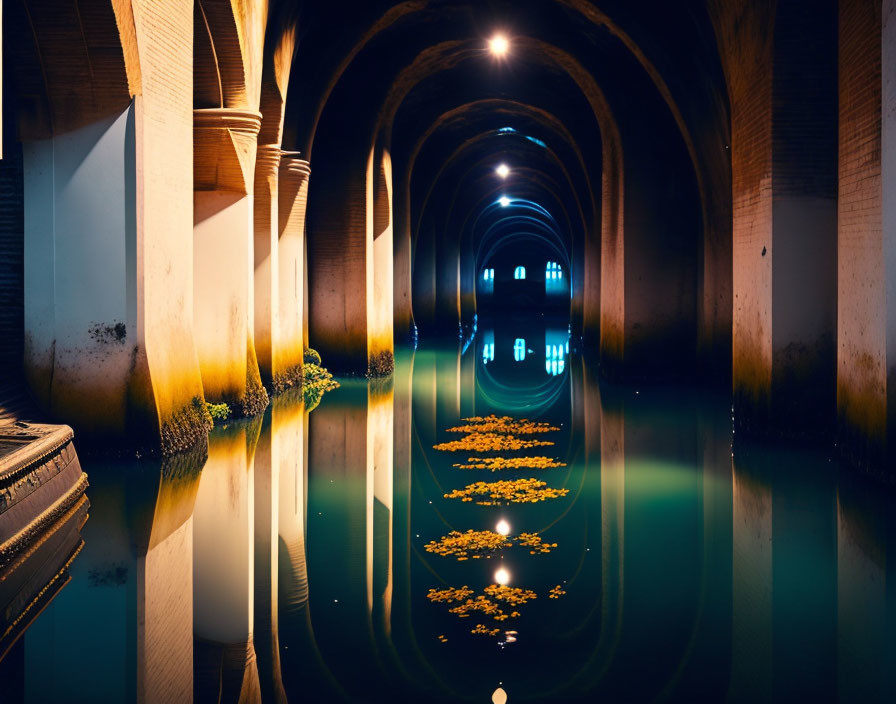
(380,434)
(223,569)
(751,637)
(609,442)
(164,618)
(278,468)
(350,512)
(864,657)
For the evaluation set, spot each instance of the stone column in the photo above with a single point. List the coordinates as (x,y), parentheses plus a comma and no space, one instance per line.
(380,276)
(863,249)
(402,317)
(888,185)
(293,201)
(783,161)
(266,256)
(223,284)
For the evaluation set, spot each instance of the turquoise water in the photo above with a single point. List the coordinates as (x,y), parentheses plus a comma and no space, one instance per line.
(290,566)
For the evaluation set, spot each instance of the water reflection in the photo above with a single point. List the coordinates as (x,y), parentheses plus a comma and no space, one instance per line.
(290,565)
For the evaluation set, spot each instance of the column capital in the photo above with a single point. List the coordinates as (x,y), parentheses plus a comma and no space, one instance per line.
(293,170)
(224,147)
(244,121)
(267,161)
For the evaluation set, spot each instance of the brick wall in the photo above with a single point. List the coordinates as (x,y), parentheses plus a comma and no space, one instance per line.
(12,254)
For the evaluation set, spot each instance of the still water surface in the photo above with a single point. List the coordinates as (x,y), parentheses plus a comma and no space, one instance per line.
(290,566)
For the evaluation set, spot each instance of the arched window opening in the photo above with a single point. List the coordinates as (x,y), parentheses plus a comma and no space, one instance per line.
(519,349)
(553,272)
(555,359)
(519,272)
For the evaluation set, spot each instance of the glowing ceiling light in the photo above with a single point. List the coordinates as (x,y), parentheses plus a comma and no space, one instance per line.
(504,201)
(499,45)
(503,170)
(503,527)
(502,576)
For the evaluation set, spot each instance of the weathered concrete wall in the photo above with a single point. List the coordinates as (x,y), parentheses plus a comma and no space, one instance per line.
(136,209)
(80,276)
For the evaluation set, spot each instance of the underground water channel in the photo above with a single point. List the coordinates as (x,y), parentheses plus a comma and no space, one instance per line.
(618,551)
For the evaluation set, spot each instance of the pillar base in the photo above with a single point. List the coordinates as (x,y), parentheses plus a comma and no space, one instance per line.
(380,364)
(186,428)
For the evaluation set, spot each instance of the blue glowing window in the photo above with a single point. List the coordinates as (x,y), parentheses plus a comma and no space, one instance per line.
(553,271)
(519,349)
(554,359)
(519,272)
(488,352)
(488,274)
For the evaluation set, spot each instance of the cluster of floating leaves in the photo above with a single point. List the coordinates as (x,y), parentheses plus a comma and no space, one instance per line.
(514,491)
(502,424)
(535,543)
(495,434)
(478,544)
(514,596)
(484,606)
(488,604)
(449,595)
(489,442)
(485,631)
(475,543)
(556,592)
(498,463)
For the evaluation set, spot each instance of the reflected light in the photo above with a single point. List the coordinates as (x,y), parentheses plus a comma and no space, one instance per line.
(503,527)
(498,45)
(503,170)
(504,201)
(499,696)
(502,576)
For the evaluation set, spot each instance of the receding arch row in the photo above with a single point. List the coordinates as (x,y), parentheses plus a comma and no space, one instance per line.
(666,80)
